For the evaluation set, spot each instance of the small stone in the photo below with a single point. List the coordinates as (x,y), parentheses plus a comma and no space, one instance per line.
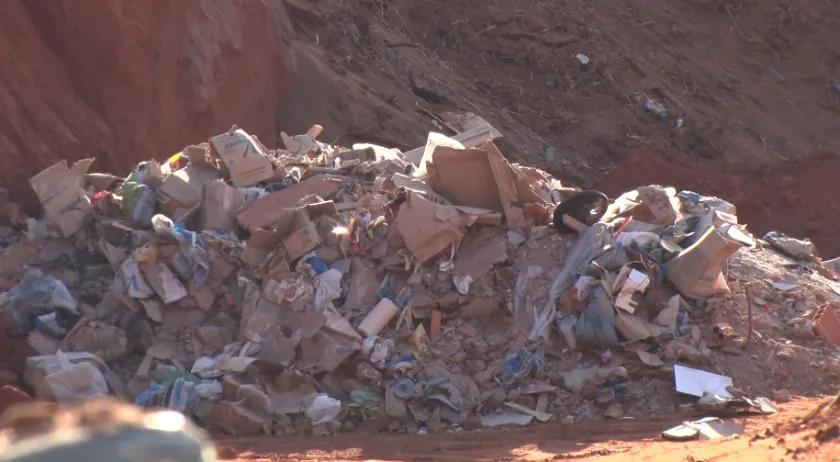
(568,419)
(781,396)
(614,411)
(786,353)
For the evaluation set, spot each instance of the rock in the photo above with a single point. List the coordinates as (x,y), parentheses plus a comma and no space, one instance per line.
(678,351)
(786,354)
(781,396)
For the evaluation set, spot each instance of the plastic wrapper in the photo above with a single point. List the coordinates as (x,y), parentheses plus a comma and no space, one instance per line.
(596,325)
(323,409)
(36,294)
(589,245)
(66,377)
(180,395)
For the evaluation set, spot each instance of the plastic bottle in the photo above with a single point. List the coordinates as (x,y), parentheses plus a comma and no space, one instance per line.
(655,108)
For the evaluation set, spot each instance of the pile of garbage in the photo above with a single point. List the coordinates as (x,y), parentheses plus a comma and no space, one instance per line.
(318,289)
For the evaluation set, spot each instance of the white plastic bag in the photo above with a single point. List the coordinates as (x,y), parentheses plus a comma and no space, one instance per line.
(323,409)
(74,383)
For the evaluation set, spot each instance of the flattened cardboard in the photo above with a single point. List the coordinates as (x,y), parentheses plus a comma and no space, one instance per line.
(696,270)
(219,203)
(266,211)
(164,282)
(428,228)
(182,189)
(302,241)
(244,157)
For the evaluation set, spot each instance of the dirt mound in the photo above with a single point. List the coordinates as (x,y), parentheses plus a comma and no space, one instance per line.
(127,82)
(793,197)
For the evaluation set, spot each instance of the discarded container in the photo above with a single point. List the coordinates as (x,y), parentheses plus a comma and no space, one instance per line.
(655,108)
(404,388)
(179,396)
(145,204)
(378,318)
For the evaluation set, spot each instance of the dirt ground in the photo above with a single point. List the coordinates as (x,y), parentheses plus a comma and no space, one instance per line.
(778,437)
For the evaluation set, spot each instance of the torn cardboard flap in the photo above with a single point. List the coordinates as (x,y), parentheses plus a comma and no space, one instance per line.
(480,178)
(182,189)
(266,211)
(60,190)
(696,271)
(244,157)
(428,228)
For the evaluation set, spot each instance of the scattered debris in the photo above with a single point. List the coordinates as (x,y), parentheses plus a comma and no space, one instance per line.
(317,289)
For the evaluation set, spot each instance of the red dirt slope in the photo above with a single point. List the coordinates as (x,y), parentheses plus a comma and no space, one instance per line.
(127,81)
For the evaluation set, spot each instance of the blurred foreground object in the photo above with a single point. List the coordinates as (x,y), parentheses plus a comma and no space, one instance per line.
(99,430)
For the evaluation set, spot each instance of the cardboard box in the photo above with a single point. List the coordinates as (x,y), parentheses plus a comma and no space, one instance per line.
(480,178)
(60,190)
(302,241)
(244,157)
(696,271)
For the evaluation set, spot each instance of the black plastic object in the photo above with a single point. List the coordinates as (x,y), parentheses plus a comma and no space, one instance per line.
(579,206)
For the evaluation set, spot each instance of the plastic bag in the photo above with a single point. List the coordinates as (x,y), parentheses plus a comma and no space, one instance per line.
(596,325)
(588,246)
(323,409)
(329,288)
(36,294)
(75,382)
(180,395)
